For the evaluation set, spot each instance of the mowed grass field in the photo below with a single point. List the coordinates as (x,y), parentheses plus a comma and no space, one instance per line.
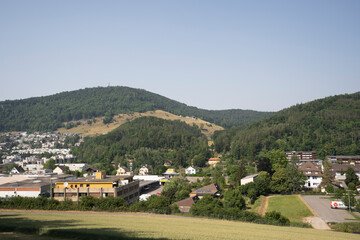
(290,206)
(142,226)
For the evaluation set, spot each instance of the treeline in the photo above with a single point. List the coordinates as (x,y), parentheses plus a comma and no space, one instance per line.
(329,126)
(85,204)
(50,112)
(146,140)
(207,206)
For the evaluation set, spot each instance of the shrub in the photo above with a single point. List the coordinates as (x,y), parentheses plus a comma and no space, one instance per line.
(277,217)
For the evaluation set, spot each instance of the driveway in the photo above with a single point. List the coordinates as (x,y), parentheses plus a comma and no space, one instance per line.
(321,206)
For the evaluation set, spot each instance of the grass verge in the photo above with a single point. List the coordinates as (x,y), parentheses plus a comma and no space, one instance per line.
(291,206)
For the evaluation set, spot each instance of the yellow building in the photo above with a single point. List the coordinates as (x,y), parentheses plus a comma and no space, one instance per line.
(99,185)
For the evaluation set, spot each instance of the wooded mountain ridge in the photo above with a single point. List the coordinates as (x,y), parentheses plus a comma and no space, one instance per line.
(51,112)
(329,126)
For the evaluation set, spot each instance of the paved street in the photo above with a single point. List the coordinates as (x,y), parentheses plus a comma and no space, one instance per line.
(321,207)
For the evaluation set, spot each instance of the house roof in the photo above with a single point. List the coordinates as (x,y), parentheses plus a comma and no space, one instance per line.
(27,183)
(250,176)
(63,168)
(187,202)
(214,159)
(125,168)
(211,189)
(19,169)
(91,169)
(309,166)
(344,167)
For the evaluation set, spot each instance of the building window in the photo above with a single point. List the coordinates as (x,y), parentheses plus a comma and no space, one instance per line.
(314,177)
(87,185)
(81,185)
(60,194)
(105,194)
(82,194)
(75,186)
(71,186)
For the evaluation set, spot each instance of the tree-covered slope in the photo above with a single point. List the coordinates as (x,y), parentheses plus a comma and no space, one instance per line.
(50,112)
(329,126)
(147,140)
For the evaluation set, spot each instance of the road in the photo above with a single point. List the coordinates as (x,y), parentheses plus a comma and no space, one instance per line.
(321,206)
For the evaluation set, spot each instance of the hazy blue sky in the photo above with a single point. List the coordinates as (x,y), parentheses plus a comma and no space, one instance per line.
(261,55)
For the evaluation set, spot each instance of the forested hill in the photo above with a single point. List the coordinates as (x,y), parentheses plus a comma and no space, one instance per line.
(50,112)
(329,126)
(147,140)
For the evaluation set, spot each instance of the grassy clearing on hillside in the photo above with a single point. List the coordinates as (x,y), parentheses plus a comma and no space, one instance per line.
(290,206)
(99,127)
(141,226)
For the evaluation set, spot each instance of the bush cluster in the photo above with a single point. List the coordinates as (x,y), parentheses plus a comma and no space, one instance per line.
(85,203)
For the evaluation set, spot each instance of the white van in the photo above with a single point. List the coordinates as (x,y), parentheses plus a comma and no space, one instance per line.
(338,204)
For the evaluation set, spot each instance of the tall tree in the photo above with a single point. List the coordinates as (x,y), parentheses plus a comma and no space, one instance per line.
(277,159)
(328,175)
(280,181)
(295,176)
(264,164)
(351,176)
(262,183)
(233,199)
(240,172)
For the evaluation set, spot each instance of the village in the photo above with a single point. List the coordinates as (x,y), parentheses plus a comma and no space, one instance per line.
(28,154)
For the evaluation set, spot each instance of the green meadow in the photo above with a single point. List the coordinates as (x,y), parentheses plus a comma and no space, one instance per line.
(291,206)
(149,226)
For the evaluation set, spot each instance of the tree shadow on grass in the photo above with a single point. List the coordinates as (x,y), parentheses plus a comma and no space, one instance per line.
(64,229)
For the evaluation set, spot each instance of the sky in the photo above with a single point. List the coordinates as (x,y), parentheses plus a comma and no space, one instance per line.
(258,55)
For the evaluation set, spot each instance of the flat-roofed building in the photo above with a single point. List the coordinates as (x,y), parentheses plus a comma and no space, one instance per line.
(30,187)
(301,155)
(99,185)
(248,179)
(345,159)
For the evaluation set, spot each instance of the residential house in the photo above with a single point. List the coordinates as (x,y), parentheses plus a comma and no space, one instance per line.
(144,170)
(90,171)
(213,161)
(313,173)
(99,185)
(60,170)
(248,179)
(168,163)
(212,190)
(17,170)
(340,170)
(185,204)
(123,171)
(191,170)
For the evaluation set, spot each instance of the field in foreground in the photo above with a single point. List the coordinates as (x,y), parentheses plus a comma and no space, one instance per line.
(142,226)
(291,206)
